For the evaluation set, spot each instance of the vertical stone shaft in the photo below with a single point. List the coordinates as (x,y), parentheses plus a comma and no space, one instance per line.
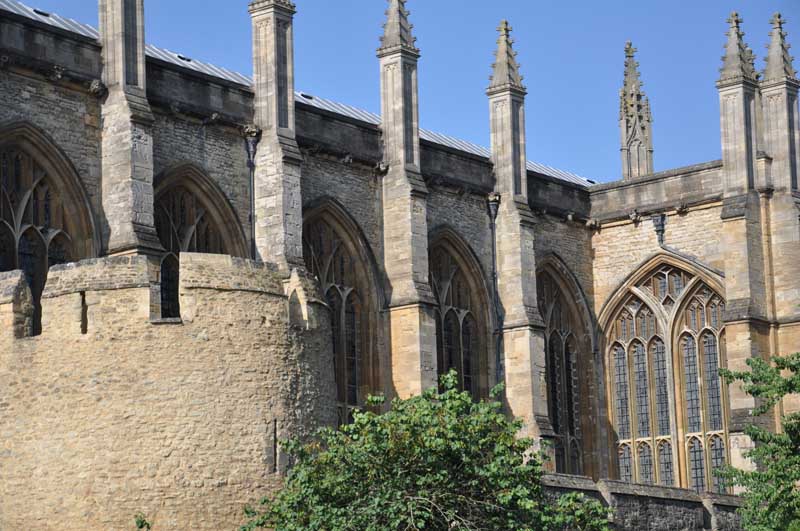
(779,89)
(405,226)
(127,143)
(745,288)
(523,330)
(278,201)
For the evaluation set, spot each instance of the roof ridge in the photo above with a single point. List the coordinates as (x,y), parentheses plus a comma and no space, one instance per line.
(180,60)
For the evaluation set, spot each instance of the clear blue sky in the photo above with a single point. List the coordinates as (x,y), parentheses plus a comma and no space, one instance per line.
(571,53)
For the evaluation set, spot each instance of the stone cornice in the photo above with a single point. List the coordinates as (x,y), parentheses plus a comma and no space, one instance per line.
(260,6)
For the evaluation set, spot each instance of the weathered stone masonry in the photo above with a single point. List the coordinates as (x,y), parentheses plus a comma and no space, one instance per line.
(376,267)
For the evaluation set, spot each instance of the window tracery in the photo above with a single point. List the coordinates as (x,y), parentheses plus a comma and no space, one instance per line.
(460,338)
(343,280)
(649,341)
(562,334)
(184,225)
(35,233)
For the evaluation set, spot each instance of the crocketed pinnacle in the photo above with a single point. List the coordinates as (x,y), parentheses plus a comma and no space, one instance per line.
(779,62)
(634,105)
(505,69)
(738,63)
(397,30)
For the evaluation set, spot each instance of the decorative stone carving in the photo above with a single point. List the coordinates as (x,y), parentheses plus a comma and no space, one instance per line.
(660,225)
(56,73)
(635,216)
(98,89)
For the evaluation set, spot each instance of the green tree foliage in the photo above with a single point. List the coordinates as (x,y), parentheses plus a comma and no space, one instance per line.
(439,461)
(772,495)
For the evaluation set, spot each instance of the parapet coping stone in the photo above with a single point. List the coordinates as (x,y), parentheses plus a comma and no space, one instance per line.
(622,488)
(646,179)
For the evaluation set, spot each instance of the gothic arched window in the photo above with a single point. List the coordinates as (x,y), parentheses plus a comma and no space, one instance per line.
(185,225)
(36,232)
(331,256)
(460,320)
(670,323)
(564,336)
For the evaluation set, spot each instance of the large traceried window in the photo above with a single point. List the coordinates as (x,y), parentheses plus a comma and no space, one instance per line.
(460,321)
(330,255)
(184,225)
(669,326)
(563,335)
(38,227)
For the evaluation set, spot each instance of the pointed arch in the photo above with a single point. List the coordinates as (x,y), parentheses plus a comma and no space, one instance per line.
(664,258)
(463,301)
(570,341)
(64,179)
(337,253)
(216,217)
(45,215)
(663,315)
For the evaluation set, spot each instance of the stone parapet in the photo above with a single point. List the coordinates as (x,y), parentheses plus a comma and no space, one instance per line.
(653,507)
(106,414)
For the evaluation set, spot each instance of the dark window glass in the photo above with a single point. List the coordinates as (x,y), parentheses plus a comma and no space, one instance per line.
(556,404)
(697,467)
(642,390)
(713,391)
(170,284)
(461,340)
(352,349)
(625,463)
(659,354)
(646,473)
(621,393)
(665,468)
(693,403)
(718,463)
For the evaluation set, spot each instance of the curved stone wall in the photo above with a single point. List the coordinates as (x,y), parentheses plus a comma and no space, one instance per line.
(108,413)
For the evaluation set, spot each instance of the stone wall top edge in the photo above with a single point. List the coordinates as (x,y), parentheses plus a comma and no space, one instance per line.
(565,481)
(97,274)
(228,273)
(48,28)
(10,283)
(650,491)
(658,176)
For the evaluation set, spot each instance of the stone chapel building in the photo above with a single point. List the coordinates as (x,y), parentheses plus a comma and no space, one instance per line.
(197,265)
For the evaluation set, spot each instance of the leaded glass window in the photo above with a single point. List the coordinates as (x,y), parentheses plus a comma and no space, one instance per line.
(646,471)
(641,379)
(692,385)
(621,392)
(184,226)
(658,352)
(718,462)
(330,256)
(697,474)
(703,387)
(625,463)
(563,347)
(669,324)
(36,230)
(461,337)
(665,466)
(712,381)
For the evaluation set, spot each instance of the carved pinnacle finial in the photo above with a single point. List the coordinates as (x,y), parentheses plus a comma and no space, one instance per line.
(505,68)
(634,105)
(738,63)
(779,62)
(397,30)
